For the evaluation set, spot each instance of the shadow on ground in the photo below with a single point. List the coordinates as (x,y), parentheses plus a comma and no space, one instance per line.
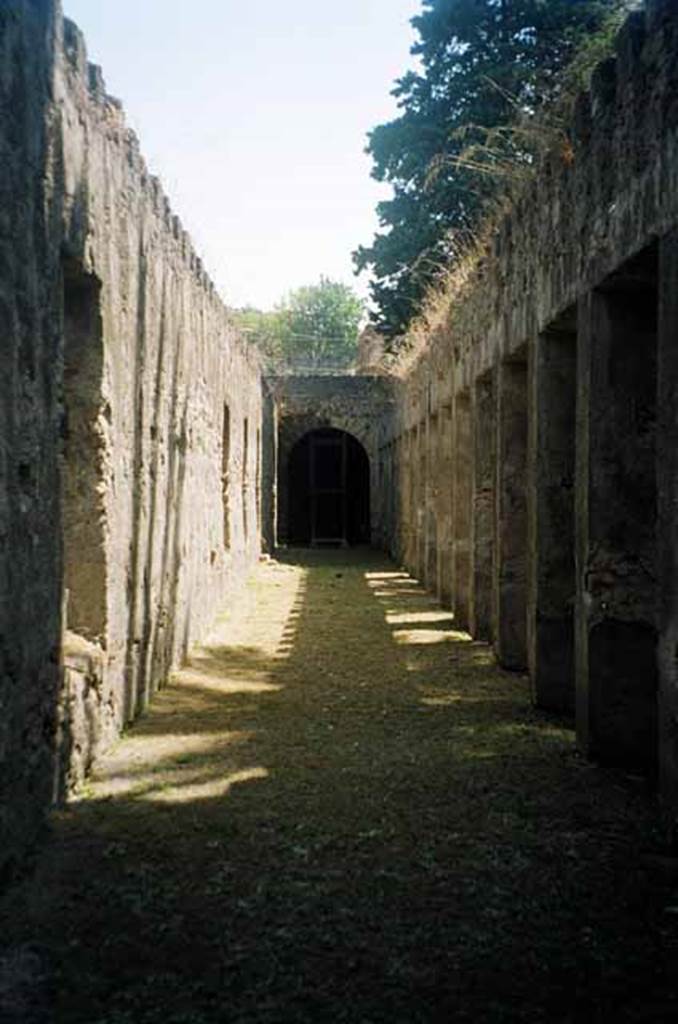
(342,811)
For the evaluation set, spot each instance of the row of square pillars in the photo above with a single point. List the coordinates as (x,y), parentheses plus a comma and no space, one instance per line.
(542,506)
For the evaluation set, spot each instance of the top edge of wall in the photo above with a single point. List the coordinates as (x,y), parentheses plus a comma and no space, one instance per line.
(89,78)
(643,42)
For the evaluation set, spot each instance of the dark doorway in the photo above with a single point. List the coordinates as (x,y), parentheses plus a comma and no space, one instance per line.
(329,490)
(616,517)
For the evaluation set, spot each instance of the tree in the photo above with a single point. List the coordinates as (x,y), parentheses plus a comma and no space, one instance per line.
(262,328)
(483,63)
(320,322)
(313,324)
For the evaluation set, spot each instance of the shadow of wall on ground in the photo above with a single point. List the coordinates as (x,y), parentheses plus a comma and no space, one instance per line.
(367,821)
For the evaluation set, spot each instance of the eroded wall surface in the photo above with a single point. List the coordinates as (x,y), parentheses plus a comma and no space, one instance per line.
(30,602)
(132,429)
(160,386)
(534,449)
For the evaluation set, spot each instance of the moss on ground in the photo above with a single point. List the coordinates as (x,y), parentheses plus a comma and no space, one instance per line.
(342,811)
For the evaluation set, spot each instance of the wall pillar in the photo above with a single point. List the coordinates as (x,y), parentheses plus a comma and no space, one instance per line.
(461,572)
(551,470)
(386,498)
(410,492)
(432,491)
(397,508)
(422,498)
(445,500)
(615,525)
(482,525)
(510,576)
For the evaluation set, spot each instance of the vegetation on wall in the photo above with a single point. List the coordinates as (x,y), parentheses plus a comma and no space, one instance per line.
(493,79)
(315,325)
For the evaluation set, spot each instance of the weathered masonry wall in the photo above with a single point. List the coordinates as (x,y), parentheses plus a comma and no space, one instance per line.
(162,411)
(30,592)
(361,406)
(534,449)
(132,431)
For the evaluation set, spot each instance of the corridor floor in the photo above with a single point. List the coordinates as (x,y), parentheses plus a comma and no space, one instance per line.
(342,811)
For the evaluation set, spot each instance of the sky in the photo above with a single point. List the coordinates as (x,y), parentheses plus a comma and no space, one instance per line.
(255,116)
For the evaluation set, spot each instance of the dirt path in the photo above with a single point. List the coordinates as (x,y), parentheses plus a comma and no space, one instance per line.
(341,811)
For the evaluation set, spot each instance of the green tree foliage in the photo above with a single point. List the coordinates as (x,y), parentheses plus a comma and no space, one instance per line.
(484,64)
(314,324)
(262,328)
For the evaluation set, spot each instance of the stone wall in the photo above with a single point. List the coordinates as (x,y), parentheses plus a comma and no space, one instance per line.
(152,370)
(547,387)
(30,589)
(132,429)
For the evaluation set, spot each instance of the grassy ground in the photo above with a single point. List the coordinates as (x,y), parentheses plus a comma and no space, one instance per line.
(342,811)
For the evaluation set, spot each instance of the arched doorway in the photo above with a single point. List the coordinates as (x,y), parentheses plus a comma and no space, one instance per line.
(329,490)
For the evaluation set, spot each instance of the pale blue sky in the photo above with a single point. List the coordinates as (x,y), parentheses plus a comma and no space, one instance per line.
(254,115)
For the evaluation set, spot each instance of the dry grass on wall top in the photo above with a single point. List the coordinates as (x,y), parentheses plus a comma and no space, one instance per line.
(450,289)
(512,156)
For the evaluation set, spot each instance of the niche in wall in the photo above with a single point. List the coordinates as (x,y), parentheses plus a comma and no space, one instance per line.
(83,456)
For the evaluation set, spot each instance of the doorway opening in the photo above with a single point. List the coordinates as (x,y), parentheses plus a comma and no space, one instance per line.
(329,490)
(617,517)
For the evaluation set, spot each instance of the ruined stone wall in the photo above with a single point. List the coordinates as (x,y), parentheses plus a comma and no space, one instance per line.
(594,203)
(362,406)
(30,592)
(150,379)
(132,430)
(552,532)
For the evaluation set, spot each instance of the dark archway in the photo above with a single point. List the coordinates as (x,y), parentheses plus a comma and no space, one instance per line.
(329,490)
